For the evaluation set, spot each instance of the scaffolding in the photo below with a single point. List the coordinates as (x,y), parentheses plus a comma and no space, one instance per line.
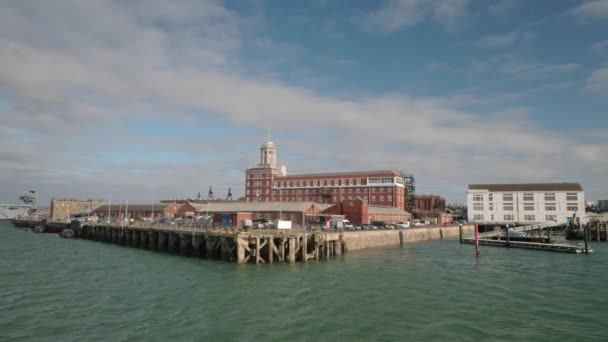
(410,193)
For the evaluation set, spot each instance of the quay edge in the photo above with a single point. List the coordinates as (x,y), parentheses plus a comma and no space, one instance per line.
(250,246)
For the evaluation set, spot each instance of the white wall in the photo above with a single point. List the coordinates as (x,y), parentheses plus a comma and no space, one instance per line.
(497,215)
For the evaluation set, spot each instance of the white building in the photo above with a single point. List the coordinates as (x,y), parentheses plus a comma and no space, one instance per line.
(525,203)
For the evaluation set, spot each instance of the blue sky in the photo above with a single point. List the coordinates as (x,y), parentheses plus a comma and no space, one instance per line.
(144,100)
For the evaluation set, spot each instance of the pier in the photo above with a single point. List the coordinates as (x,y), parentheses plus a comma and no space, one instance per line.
(529,245)
(253,246)
(535,240)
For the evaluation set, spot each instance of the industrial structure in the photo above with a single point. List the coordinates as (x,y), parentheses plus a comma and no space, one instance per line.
(268,183)
(557,203)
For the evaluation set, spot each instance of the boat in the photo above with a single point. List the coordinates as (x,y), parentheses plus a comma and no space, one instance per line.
(13,211)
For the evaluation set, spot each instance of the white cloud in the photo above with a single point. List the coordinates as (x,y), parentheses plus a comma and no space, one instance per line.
(498,40)
(594,9)
(395,15)
(71,85)
(504,7)
(598,81)
(599,47)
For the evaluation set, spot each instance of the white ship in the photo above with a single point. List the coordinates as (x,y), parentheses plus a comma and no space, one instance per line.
(12,211)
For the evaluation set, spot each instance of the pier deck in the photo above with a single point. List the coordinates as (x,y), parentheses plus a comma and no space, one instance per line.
(253,246)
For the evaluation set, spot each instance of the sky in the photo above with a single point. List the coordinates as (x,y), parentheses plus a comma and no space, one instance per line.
(149,100)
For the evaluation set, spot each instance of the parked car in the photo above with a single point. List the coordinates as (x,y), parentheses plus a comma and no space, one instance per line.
(402,224)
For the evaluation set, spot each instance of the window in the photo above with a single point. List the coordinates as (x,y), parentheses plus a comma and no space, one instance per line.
(490,197)
(572,196)
(477,197)
(491,208)
(508,217)
(389,197)
(529,218)
(528,206)
(478,206)
(381,198)
(507,207)
(550,218)
(507,197)
(550,197)
(528,196)
(549,207)
(374,198)
(478,217)
(572,206)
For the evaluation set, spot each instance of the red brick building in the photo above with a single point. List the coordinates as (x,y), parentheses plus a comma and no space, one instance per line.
(266,182)
(429,202)
(359,212)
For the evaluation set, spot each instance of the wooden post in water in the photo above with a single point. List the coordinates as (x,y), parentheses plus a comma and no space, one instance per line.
(459,233)
(476,240)
(507,236)
(305,248)
(586,237)
(597,226)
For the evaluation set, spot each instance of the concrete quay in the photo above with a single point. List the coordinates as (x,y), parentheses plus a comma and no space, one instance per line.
(263,246)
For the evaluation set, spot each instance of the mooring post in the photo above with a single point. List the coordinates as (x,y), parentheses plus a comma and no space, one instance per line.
(257,250)
(507,236)
(597,226)
(476,240)
(305,247)
(292,249)
(240,251)
(459,234)
(586,236)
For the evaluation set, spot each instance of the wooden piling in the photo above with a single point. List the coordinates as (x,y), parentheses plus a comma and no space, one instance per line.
(305,248)
(459,233)
(257,250)
(292,249)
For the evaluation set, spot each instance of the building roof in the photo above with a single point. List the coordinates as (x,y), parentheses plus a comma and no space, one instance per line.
(158,207)
(268,144)
(347,173)
(242,206)
(527,187)
(374,209)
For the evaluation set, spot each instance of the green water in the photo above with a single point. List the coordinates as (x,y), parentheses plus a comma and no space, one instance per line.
(54,289)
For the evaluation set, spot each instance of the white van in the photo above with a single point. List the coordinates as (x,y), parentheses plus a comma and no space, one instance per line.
(402,224)
(340,224)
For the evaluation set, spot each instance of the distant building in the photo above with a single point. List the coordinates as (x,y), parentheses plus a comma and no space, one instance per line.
(230,213)
(137,211)
(429,202)
(359,212)
(61,209)
(266,183)
(602,205)
(434,217)
(525,203)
